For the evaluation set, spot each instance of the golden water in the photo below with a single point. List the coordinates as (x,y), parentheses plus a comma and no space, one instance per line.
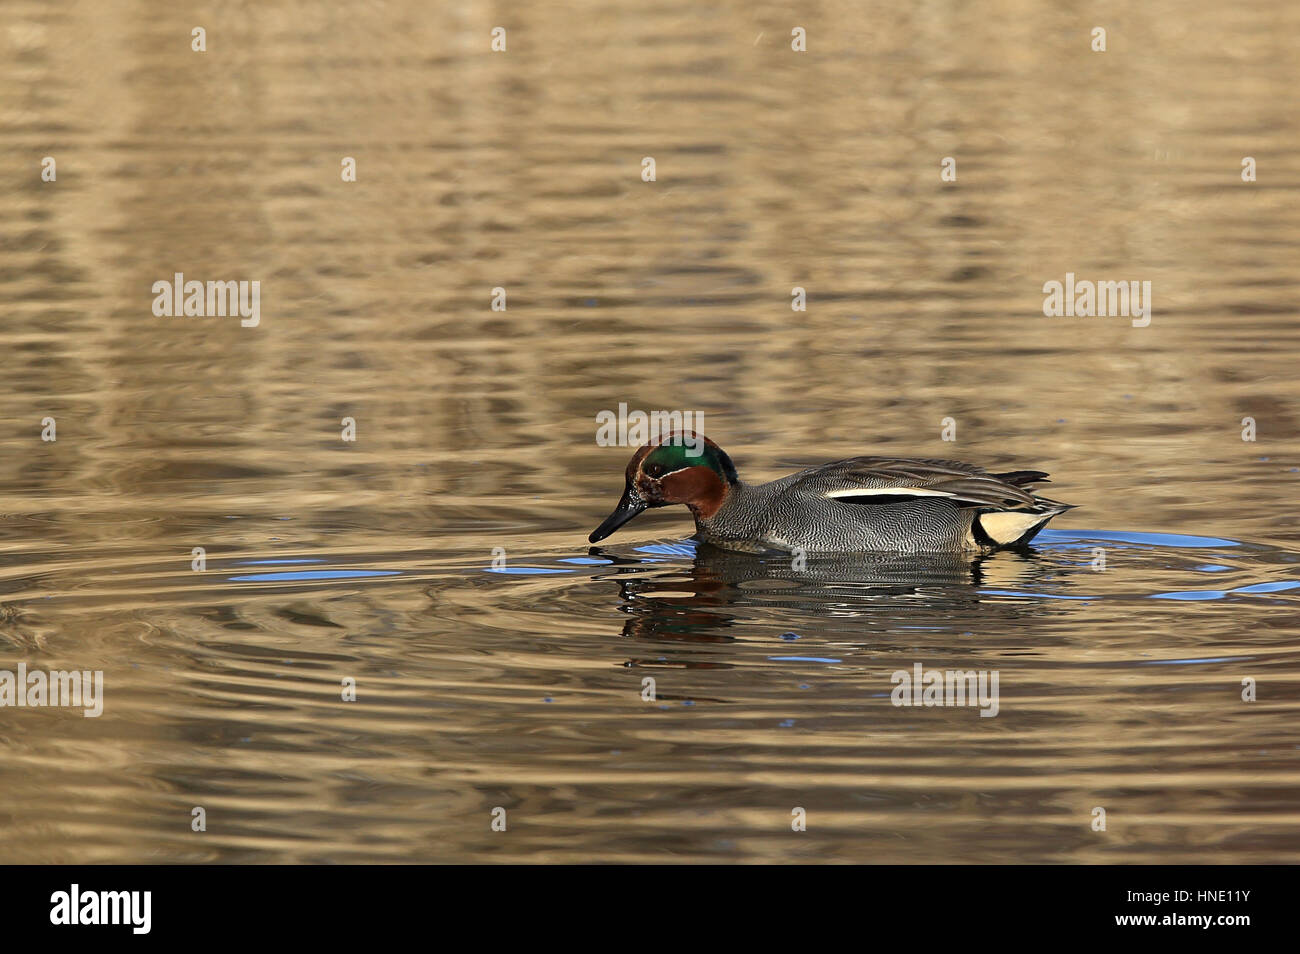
(475,428)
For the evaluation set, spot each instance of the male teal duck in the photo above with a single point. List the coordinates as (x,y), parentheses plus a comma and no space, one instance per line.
(862,504)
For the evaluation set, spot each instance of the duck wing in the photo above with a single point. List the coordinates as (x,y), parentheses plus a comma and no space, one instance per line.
(887,480)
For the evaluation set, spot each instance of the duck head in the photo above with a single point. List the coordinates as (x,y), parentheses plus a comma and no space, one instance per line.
(679,468)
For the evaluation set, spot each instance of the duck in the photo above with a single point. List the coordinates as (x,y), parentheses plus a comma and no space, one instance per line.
(855,505)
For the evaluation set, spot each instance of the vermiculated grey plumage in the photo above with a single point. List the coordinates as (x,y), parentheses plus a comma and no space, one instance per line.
(844,506)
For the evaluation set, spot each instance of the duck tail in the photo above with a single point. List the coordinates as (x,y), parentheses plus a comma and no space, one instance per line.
(1018,478)
(1012,528)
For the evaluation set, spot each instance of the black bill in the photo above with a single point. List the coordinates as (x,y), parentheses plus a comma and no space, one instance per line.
(629,505)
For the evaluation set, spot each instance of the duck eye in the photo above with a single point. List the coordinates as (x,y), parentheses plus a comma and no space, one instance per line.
(655,470)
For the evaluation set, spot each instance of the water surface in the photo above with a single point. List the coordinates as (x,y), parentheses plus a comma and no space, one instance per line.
(1121,640)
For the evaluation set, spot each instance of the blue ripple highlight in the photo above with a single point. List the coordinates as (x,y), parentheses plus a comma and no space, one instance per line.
(685,548)
(524,570)
(1150,539)
(1277,586)
(1036,596)
(313,575)
(1190,662)
(1268,587)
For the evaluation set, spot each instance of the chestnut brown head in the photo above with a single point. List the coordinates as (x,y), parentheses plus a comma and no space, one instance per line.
(679,468)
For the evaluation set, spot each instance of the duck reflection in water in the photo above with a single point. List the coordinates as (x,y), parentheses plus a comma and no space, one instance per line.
(885,598)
